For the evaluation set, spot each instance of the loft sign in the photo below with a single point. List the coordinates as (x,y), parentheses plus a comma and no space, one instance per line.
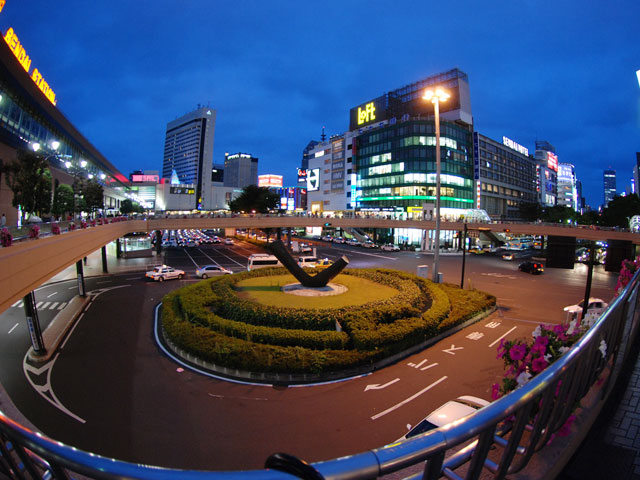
(20,53)
(368,114)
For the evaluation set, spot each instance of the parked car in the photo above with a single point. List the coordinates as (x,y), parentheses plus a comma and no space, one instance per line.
(595,309)
(390,247)
(338,240)
(534,268)
(326,238)
(216,239)
(211,271)
(164,272)
(508,256)
(324,262)
(308,261)
(476,250)
(368,244)
(449,412)
(353,242)
(229,241)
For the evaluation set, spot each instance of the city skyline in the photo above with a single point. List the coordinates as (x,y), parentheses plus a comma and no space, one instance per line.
(535,72)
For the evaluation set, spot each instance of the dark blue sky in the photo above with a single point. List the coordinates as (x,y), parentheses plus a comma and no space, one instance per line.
(277,71)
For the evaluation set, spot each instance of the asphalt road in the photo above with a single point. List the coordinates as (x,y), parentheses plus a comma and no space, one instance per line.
(112,391)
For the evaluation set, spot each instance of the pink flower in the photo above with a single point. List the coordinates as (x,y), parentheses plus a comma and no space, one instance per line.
(495,391)
(517,352)
(538,349)
(542,340)
(501,349)
(558,329)
(539,364)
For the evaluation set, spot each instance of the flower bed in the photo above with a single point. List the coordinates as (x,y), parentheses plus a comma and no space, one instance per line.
(210,321)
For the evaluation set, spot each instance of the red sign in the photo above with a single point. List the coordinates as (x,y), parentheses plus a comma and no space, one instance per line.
(552,161)
(145,178)
(270,181)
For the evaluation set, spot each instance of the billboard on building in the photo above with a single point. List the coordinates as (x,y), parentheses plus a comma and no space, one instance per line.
(565,173)
(313,179)
(368,113)
(270,180)
(552,161)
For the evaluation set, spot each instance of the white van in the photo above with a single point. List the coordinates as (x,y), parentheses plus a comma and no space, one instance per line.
(262,260)
(307,261)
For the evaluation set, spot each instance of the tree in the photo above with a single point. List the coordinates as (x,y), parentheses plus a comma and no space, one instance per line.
(63,200)
(530,211)
(29,179)
(559,214)
(620,210)
(126,207)
(93,195)
(254,198)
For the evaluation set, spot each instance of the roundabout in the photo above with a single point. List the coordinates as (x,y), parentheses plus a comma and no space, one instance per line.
(248,327)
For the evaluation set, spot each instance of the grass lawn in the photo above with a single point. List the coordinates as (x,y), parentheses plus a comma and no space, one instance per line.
(266,290)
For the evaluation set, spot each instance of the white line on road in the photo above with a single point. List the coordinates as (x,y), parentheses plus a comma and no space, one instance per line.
(234,261)
(54,293)
(62,305)
(377,386)
(45,305)
(502,337)
(191,258)
(364,253)
(16,304)
(13,328)
(53,305)
(407,400)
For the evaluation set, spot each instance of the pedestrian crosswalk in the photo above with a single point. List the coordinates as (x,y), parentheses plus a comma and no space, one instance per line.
(43,305)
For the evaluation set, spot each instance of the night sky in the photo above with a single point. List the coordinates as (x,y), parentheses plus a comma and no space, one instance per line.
(278,71)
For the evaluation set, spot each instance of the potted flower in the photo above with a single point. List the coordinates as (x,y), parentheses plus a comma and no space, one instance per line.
(55,229)
(5,237)
(34,231)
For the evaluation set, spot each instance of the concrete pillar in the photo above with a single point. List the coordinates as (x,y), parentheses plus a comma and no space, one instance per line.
(33,323)
(81,288)
(104,259)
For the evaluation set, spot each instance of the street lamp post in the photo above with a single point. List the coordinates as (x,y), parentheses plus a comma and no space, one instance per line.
(436,96)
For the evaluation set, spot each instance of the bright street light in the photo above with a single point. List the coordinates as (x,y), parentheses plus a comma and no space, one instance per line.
(437,96)
(35,146)
(55,145)
(83,163)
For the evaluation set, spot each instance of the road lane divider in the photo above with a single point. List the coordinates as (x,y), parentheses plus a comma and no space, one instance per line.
(407,400)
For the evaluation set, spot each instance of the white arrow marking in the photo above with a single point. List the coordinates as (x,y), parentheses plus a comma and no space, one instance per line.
(377,386)
(452,349)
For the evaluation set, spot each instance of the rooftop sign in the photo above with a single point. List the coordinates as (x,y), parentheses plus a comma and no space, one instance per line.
(20,53)
(516,146)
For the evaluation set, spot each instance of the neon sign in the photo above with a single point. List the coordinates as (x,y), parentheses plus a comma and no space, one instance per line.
(20,53)
(368,114)
(552,161)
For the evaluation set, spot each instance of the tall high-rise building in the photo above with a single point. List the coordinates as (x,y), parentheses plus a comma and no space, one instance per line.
(188,150)
(636,175)
(547,173)
(609,179)
(240,170)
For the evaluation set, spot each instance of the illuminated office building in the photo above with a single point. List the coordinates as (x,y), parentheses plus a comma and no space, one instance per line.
(609,181)
(567,189)
(546,173)
(188,151)
(240,170)
(394,150)
(505,177)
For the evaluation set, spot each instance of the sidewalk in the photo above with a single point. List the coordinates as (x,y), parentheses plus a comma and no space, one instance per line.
(612,447)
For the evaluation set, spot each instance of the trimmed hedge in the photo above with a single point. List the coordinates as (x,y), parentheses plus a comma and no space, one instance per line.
(210,321)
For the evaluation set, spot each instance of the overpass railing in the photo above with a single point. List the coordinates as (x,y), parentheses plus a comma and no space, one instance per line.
(500,439)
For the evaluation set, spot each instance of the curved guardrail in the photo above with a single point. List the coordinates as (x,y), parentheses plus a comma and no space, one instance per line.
(500,438)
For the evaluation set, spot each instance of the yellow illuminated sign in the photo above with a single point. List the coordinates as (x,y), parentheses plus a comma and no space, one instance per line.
(368,114)
(18,50)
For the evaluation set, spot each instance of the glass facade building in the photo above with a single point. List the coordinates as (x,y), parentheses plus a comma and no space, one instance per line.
(610,190)
(395,167)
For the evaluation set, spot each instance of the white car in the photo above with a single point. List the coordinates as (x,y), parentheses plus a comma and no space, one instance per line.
(368,244)
(163,272)
(595,309)
(228,241)
(353,242)
(211,271)
(308,261)
(338,240)
(390,247)
(449,412)
(305,248)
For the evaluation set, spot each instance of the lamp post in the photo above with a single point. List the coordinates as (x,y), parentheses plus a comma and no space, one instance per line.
(436,96)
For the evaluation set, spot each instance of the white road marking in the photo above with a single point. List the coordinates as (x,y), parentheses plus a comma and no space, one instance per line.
(53,305)
(71,288)
(62,305)
(54,293)
(16,304)
(428,367)
(377,386)
(502,337)
(452,349)
(191,258)
(365,253)
(493,324)
(234,261)
(45,305)
(38,304)
(407,400)
(417,365)
(13,328)
(475,335)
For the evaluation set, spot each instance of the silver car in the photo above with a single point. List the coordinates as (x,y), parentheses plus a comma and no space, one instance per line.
(211,271)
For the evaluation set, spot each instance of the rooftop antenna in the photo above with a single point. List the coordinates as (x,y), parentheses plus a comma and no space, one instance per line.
(323,137)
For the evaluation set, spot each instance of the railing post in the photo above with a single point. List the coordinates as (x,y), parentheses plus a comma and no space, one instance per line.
(33,323)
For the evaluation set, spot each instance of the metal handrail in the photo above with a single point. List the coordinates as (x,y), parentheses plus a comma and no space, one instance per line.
(553,392)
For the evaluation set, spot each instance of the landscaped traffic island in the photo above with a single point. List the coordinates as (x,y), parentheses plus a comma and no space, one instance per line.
(247,322)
